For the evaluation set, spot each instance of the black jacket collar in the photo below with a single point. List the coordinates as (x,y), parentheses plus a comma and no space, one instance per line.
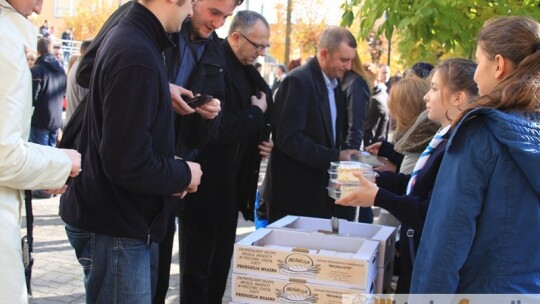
(148,23)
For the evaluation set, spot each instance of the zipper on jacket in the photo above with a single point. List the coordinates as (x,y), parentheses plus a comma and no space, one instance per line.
(148,240)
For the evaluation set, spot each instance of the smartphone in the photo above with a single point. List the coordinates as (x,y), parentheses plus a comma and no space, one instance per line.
(198,101)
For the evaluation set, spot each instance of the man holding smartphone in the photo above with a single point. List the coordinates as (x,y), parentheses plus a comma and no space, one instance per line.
(208,222)
(196,66)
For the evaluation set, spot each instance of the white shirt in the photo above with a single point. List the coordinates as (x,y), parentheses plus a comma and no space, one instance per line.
(331,85)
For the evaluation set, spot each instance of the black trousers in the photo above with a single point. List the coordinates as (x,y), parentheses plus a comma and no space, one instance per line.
(206,249)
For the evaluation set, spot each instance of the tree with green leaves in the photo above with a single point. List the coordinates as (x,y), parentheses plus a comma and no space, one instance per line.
(430,30)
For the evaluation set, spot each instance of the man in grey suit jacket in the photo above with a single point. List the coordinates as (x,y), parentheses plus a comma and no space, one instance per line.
(309,130)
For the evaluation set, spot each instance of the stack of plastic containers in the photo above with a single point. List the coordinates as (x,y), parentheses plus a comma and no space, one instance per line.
(342,181)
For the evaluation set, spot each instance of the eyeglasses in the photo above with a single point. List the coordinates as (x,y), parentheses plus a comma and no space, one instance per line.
(258,47)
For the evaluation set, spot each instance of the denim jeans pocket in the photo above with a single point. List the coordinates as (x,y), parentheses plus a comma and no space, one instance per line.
(84,244)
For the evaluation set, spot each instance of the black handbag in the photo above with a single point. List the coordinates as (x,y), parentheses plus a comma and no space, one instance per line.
(28,240)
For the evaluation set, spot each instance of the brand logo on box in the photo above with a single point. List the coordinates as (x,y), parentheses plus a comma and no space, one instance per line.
(296,293)
(299,259)
(298,265)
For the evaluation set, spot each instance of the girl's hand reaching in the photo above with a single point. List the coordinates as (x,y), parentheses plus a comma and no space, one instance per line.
(364,196)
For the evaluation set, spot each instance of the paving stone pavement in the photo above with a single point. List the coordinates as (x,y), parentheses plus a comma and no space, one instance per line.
(57,276)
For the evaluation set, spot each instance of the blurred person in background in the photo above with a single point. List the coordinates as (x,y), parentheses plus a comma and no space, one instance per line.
(280,71)
(293,64)
(357,89)
(75,92)
(31,57)
(44,28)
(58,54)
(67,43)
(49,88)
(413,128)
(377,116)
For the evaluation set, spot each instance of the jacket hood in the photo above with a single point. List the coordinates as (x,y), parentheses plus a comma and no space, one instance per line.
(520,133)
(50,62)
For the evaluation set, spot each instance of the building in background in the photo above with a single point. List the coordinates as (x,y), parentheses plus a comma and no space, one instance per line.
(57,10)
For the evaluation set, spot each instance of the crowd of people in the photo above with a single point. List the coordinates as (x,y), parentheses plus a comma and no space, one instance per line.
(459,144)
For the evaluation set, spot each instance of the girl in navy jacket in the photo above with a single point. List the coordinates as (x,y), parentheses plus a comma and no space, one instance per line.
(481,232)
(407,197)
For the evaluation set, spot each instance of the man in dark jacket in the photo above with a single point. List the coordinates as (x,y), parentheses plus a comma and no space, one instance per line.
(72,130)
(196,63)
(378,115)
(309,126)
(67,43)
(208,222)
(281,72)
(49,87)
(131,178)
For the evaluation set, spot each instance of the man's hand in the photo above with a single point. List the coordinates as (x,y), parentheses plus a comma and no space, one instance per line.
(75,158)
(56,191)
(178,103)
(210,110)
(260,102)
(345,155)
(386,165)
(373,149)
(265,148)
(196,174)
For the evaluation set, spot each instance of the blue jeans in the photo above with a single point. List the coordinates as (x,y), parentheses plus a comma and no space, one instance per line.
(116,270)
(43,137)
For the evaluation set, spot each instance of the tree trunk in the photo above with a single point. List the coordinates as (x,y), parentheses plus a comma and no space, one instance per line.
(288,32)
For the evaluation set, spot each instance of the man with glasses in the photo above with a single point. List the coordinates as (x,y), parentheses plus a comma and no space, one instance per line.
(258,47)
(208,222)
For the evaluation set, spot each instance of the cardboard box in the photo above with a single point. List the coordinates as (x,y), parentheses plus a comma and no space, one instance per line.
(313,257)
(384,279)
(385,235)
(259,290)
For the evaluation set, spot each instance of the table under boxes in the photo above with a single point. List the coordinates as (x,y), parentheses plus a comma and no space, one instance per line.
(296,260)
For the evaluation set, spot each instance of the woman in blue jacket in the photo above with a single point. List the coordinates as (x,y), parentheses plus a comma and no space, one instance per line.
(481,231)
(407,197)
